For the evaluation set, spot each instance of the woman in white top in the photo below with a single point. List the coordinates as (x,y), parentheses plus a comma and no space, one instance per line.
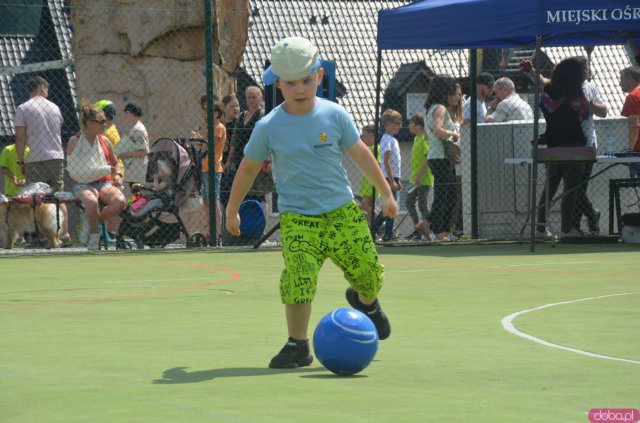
(441,129)
(136,161)
(94,168)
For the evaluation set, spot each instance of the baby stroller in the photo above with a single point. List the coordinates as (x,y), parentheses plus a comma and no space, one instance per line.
(163,225)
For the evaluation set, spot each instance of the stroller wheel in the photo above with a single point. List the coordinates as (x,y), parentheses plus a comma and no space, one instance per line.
(197,240)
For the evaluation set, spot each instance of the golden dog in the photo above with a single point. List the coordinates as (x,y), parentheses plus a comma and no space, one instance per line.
(16,218)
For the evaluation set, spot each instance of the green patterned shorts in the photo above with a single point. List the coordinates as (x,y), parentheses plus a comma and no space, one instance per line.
(341,235)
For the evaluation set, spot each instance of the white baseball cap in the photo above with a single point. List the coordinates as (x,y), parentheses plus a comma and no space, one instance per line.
(292,58)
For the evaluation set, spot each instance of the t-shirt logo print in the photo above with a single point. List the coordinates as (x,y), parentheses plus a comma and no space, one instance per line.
(323,137)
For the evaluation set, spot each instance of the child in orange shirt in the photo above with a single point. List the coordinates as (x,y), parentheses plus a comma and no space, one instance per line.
(220,139)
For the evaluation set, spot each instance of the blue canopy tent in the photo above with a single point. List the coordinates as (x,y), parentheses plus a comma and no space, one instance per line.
(506,23)
(449,24)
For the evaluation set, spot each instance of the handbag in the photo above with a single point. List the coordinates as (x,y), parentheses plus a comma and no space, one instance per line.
(452,152)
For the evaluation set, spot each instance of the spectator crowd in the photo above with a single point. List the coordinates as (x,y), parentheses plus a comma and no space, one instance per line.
(104,166)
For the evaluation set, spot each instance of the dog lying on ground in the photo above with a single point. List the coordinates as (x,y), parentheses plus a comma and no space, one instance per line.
(16,218)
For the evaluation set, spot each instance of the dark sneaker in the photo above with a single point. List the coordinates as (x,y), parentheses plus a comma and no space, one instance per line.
(294,354)
(374,312)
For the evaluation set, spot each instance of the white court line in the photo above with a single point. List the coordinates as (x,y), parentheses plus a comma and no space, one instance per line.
(507,323)
(340,273)
(565,263)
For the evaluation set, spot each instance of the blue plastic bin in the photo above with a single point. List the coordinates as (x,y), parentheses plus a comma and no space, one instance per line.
(252,219)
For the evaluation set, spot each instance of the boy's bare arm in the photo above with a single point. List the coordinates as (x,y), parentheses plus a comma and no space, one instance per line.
(387,166)
(242,182)
(365,161)
(7,172)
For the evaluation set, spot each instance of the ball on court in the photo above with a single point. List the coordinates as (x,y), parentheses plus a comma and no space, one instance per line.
(345,341)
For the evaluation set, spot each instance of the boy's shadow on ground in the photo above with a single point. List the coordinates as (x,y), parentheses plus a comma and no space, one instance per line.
(180,375)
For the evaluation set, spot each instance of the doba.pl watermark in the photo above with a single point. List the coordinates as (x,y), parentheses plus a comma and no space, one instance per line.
(614,415)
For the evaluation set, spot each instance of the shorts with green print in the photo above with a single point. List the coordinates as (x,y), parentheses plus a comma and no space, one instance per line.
(341,235)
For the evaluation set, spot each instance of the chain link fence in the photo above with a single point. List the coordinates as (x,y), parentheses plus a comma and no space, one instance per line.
(134,72)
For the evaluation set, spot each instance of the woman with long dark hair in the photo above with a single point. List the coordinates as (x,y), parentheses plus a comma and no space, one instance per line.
(565,108)
(229,119)
(441,129)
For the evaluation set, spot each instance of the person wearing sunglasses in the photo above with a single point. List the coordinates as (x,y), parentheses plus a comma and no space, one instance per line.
(95,170)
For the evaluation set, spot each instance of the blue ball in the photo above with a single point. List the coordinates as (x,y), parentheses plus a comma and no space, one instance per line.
(252,219)
(345,341)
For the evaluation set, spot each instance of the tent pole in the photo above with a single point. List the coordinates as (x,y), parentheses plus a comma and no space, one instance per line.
(376,141)
(534,152)
(473,71)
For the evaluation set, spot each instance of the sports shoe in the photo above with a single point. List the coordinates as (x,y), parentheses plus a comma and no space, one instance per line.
(546,234)
(594,224)
(93,244)
(373,312)
(295,353)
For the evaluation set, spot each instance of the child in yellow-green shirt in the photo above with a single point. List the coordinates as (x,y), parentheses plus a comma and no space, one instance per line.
(13,177)
(421,180)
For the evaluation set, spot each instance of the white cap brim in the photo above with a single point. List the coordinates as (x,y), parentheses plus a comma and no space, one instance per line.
(270,78)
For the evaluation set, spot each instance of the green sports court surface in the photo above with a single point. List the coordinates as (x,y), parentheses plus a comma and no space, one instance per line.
(480,333)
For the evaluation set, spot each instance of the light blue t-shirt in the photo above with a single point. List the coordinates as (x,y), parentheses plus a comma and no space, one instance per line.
(307,156)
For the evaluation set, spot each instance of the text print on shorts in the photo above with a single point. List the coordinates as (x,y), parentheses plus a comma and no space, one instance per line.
(341,235)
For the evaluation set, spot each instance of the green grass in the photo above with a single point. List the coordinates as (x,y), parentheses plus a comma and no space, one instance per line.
(186,337)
